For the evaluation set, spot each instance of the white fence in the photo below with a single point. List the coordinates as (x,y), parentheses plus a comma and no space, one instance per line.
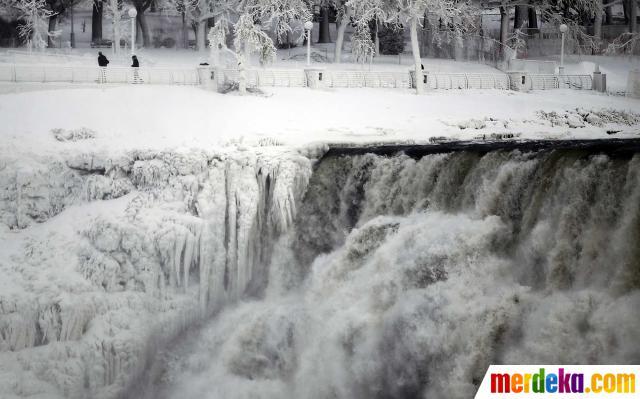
(346,79)
(327,78)
(451,81)
(84,74)
(285,78)
(547,82)
(269,77)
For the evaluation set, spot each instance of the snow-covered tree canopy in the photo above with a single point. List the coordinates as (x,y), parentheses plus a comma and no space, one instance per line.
(248,38)
(201,10)
(279,15)
(456,18)
(33,16)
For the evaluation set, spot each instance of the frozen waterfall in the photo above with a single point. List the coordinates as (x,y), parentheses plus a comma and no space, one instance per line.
(263,274)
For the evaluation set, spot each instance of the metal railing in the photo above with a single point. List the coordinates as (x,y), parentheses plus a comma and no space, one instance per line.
(347,79)
(548,82)
(465,81)
(285,78)
(268,77)
(327,78)
(86,74)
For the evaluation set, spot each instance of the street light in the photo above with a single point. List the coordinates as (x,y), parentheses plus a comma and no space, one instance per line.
(563,30)
(133,13)
(308,26)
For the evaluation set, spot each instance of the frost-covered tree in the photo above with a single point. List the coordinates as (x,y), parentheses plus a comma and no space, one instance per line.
(198,13)
(573,13)
(344,18)
(364,14)
(33,16)
(459,18)
(361,43)
(218,41)
(284,17)
(141,19)
(361,13)
(58,8)
(248,38)
(115,11)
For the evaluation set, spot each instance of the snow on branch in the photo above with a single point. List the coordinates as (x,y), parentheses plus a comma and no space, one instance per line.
(33,15)
(362,45)
(280,15)
(624,44)
(249,38)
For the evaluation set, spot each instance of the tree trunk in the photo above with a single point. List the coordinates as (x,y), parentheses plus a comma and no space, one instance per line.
(52,27)
(625,10)
(608,14)
(633,16)
(201,32)
(376,39)
(141,20)
(324,36)
(246,54)
(415,49)
(504,25)
(242,78)
(520,17)
(116,26)
(96,21)
(597,22)
(533,20)
(185,32)
(344,21)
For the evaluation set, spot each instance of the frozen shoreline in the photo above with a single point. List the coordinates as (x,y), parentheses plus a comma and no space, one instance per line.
(184,118)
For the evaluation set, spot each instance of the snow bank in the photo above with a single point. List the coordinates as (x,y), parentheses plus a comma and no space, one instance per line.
(143,117)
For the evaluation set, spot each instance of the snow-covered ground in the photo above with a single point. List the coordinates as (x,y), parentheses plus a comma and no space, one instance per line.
(157,117)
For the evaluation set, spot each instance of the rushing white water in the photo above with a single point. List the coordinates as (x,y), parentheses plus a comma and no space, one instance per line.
(406,278)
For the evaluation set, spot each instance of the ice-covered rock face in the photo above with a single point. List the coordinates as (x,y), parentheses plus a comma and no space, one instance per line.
(414,275)
(109,258)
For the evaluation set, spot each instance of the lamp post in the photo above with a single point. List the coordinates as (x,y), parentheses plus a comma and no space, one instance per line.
(308,26)
(563,30)
(133,13)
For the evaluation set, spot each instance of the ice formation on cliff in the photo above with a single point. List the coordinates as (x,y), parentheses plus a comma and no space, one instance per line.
(135,248)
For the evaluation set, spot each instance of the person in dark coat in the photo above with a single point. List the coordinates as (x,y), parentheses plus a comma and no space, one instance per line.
(135,63)
(102,60)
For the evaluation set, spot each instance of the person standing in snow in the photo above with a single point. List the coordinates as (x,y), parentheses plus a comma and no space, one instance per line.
(102,60)
(102,63)
(135,65)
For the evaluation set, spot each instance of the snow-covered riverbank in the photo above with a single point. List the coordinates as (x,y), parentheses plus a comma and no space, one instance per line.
(138,117)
